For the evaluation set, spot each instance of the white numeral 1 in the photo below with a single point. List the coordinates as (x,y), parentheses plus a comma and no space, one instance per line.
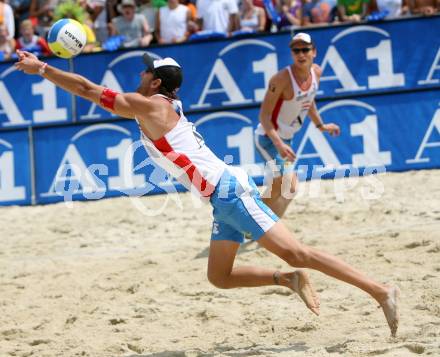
(268,66)
(386,77)
(371,156)
(244,141)
(123,152)
(8,190)
(50,112)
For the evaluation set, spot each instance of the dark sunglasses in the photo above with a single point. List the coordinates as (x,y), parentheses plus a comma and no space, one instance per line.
(303,50)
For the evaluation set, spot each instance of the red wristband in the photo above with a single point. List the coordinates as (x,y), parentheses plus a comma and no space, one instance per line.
(107,99)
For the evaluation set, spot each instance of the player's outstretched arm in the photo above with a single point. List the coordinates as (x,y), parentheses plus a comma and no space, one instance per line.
(124,105)
(313,113)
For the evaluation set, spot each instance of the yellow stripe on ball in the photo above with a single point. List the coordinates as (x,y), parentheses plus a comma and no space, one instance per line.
(58,50)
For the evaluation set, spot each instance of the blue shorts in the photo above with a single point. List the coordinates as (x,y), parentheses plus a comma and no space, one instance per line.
(238,208)
(276,164)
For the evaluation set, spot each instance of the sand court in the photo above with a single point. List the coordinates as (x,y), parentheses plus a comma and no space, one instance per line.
(101,279)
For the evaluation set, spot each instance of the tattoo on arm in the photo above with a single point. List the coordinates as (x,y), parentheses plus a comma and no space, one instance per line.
(272,88)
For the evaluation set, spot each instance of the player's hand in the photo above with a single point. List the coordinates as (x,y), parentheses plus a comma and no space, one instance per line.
(331,128)
(286,152)
(28,62)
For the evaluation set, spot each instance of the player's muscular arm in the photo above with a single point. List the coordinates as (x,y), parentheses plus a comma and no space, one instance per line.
(131,105)
(125,105)
(314,116)
(318,71)
(313,113)
(273,93)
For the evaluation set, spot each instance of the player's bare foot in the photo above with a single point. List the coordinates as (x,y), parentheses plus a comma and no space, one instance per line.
(390,307)
(300,283)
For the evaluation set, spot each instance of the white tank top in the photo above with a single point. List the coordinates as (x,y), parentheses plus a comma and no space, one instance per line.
(288,115)
(173,24)
(183,154)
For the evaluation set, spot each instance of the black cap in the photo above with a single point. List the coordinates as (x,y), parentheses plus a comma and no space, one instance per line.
(167,69)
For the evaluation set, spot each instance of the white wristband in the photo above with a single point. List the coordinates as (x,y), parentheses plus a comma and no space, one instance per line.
(42,69)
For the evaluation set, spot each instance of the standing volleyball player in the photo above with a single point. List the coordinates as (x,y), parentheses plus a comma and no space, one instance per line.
(289,98)
(172,142)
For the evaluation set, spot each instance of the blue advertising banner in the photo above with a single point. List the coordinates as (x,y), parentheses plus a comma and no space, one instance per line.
(102,160)
(94,161)
(395,56)
(32,100)
(383,93)
(396,132)
(388,56)
(15,176)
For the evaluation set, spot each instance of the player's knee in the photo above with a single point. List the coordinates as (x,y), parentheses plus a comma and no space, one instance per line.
(218,280)
(299,257)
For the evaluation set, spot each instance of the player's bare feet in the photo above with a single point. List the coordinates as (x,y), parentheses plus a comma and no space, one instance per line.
(300,283)
(390,307)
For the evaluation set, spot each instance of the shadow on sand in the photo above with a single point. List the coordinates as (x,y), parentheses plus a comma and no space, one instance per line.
(246,247)
(230,351)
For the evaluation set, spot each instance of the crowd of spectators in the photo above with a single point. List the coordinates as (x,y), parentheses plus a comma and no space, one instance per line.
(114,24)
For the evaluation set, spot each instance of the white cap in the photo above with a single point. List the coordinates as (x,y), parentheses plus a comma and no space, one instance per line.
(167,69)
(301,36)
(168,61)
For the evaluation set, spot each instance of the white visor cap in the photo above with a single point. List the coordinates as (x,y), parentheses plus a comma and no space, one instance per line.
(168,61)
(301,37)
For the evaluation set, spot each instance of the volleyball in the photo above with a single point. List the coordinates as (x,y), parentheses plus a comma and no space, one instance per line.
(66,38)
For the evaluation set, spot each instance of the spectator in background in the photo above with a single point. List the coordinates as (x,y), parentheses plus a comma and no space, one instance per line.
(172,23)
(353,10)
(112,11)
(7,44)
(7,18)
(42,12)
(261,4)
(389,9)
(252,18)
(159,3)
(424,7)
(290,13)
(97,11)
(318,12)
(29,41)
(20,9)
(218,15)
(134,27)
(147,9)
(191,7)
(192,24)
